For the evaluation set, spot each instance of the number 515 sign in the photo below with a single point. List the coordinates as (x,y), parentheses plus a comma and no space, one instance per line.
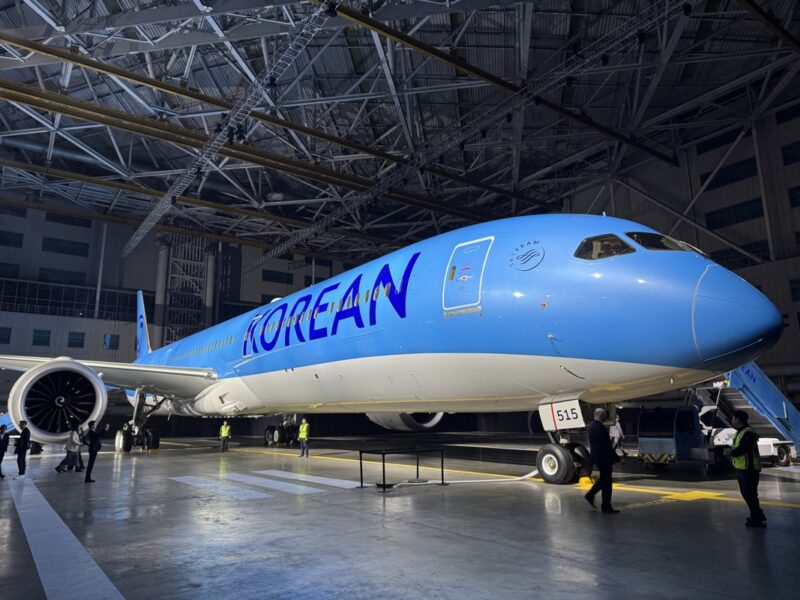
(561,415)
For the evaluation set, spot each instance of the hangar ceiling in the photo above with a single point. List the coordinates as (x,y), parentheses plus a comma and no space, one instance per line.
(387,122)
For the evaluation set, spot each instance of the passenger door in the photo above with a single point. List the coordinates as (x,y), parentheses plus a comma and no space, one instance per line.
(463,279)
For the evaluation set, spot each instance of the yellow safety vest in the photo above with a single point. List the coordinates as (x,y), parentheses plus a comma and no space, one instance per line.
(741,462)
(225,431)
(303,431)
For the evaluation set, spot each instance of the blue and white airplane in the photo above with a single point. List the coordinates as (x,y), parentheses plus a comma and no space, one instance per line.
(509,315)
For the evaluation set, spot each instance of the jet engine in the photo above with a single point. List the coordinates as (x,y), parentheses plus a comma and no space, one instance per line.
(54,395)
(406,421)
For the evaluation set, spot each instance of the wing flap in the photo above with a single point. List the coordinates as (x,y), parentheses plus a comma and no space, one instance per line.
(184,382)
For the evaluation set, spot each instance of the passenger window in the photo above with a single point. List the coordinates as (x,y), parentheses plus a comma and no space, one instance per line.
(347,303)
(356,298)
(316,312)
(656,241)
(339,307)
(330,307)
(388,289)
(602,246)
(375,295)
(366,296)
(452,274)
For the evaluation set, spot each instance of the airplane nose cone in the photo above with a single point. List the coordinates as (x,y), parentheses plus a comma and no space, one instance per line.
(732,321)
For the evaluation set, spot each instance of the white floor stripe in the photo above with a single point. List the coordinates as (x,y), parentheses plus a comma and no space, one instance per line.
(289,488)
(234,491)
(66,569)
(339,483)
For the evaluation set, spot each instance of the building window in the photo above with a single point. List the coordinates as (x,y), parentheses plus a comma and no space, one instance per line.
(111,341)
(5,335)
(320,262)
(75,339)
(733,259)
(13,211)
(41,337)
(738,171)
(719,141)
(277,277)
(794,285)
(61,276)
(791,153)
(794,197)
(787,114)
(9,271)
(65,246)
(744,211)
(11,239)
(67,220)
(317,279)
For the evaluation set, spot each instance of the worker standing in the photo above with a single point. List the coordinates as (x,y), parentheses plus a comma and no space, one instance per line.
(224,436)
(303,437)
(23,445)
(747,462)
(4,438)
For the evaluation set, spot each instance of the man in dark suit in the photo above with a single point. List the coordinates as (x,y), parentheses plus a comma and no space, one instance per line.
(23,445)
(92,439)
(4,437)
(603,457)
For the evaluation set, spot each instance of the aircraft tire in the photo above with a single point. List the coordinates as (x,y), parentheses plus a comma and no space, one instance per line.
(279,436)
(123,442)
(555,464)
(269,434)
(784,457)
(582,459)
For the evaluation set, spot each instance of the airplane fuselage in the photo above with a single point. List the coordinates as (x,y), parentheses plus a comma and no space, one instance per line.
(494,317)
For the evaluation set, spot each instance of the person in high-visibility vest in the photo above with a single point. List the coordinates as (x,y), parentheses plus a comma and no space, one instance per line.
(303,437)
(747,462)
(224,436)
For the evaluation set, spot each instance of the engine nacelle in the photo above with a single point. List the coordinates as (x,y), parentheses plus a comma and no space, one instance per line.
(55,394)
(406,421)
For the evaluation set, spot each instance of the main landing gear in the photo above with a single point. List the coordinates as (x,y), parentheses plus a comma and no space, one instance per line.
(133,433)
(563,462)
(285,433)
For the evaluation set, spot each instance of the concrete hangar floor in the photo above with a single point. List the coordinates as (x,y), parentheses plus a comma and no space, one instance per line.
(189,522)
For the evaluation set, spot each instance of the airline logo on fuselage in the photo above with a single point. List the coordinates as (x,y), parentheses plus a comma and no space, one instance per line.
(301,322)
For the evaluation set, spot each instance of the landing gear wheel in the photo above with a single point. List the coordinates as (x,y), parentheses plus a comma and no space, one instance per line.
(279,435)
(555,464)
(581,458)
(269,433)
(123,442)
(153,438)
(784,458)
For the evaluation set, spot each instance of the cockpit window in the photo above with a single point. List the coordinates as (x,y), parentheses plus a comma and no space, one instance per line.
(656,241)
(602,246)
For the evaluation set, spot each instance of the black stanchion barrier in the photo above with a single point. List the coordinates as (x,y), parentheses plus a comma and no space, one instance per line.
(383,486)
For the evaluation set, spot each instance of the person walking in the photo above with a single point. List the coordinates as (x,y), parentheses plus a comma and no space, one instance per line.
(747,463)
(71,447)
(303,437)
(4,439)
(224,436)
(23,445)
(603,457)
(92,440)
(615,431)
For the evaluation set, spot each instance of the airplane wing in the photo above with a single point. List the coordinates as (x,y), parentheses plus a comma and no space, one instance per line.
(184,382)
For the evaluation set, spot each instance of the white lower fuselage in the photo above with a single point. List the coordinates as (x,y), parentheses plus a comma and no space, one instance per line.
(435,383)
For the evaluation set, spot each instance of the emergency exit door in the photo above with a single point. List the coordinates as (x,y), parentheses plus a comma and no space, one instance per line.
(463,279)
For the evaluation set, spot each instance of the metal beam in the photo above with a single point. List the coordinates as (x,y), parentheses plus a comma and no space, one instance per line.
(770,21)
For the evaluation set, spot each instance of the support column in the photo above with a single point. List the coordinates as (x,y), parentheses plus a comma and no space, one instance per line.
(100,272)
(161,293)
(210,286)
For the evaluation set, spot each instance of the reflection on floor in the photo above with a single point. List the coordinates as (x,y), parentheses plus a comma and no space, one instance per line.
(189,522)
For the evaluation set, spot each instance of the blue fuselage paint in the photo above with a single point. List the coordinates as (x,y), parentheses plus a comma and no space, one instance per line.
(512,286)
